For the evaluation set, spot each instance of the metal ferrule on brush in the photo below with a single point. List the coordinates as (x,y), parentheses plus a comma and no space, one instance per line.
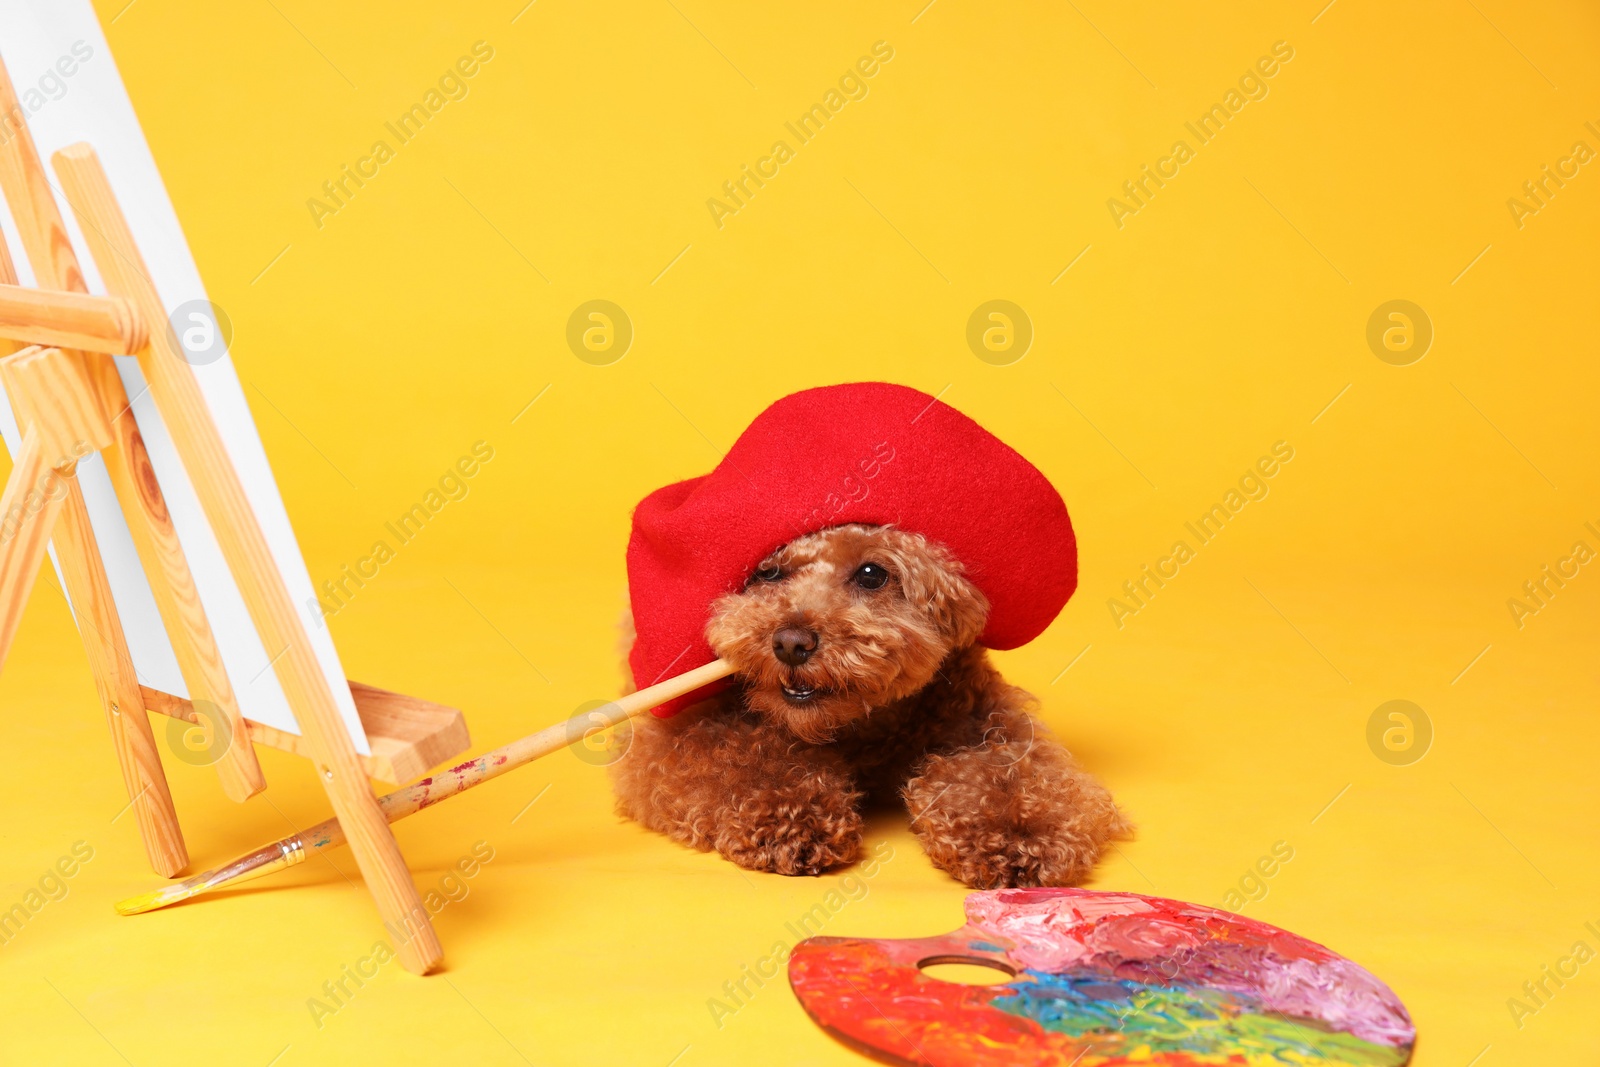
(291,851)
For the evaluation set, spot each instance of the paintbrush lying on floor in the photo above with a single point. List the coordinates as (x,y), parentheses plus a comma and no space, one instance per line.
(430,791)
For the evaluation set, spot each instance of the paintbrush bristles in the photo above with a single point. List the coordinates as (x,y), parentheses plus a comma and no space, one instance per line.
(274,857)
(431,790)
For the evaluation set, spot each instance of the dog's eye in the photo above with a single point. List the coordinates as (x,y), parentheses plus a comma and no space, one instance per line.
(767,574)
(871,576)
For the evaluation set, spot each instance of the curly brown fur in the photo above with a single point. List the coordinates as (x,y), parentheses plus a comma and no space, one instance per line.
(894,701)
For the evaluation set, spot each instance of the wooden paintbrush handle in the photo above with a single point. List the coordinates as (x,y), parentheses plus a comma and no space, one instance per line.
(433,789)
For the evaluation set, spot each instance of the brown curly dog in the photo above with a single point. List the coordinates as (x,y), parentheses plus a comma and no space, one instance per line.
(859,680)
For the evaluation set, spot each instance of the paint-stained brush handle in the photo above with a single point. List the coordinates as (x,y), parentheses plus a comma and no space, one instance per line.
(429,791)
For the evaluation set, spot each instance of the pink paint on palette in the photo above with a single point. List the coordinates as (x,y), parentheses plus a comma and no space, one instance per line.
(1102,979)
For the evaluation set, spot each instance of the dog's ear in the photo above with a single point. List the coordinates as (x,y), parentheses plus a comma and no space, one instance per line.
(932,578)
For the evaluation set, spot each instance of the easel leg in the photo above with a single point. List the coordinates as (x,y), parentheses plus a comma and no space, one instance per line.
(55,403)
(35,497)
(28,513)
(107,649)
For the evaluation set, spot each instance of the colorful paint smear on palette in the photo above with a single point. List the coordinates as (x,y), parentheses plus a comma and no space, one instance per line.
(1102,979)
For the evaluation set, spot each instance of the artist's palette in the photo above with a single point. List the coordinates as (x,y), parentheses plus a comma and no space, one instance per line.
(1103,978)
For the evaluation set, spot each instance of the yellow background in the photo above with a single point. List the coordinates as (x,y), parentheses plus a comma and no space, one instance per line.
(1223,317)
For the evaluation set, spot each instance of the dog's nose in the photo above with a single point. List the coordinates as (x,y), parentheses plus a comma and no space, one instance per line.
(794,645)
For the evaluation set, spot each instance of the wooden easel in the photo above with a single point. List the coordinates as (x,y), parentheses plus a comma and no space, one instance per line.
(69,401)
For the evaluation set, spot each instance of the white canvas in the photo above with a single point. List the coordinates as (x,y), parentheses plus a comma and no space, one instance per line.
(92,105)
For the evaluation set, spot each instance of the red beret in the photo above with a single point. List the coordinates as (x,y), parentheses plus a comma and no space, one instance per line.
(868,452)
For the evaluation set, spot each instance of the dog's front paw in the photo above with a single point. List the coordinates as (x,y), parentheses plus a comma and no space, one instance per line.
(990,857)
(1000,819)
(792,839)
